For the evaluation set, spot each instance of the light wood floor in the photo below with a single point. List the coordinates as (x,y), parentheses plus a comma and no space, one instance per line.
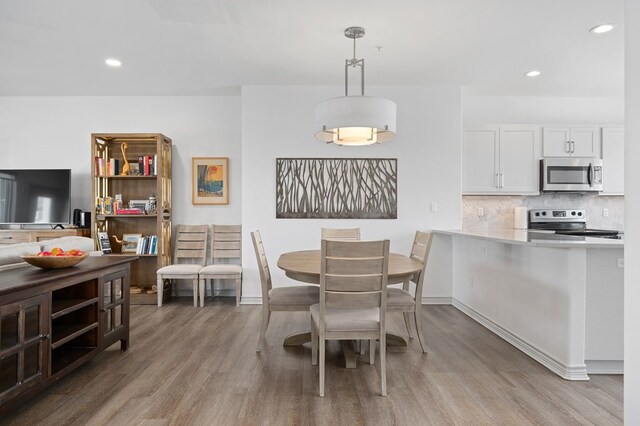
(191,365)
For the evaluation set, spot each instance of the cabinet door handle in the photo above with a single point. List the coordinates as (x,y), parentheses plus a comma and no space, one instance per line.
(573,147)
(496,180)
(501,180)
(567,146)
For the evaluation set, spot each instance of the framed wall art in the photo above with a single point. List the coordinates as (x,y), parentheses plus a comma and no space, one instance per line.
(336,188)
(210,180)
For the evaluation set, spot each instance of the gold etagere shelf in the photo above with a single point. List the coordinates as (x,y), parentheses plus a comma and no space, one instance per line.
(108,146)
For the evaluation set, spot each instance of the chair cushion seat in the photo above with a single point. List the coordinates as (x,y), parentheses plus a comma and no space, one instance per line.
(399,297)
(297,295)
(221,269)
(179,269)
(363,319)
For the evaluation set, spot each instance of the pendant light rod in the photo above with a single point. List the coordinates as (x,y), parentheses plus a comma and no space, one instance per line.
(354,33)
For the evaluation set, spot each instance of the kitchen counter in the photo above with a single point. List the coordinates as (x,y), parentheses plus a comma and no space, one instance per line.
(557,298)
(535,238)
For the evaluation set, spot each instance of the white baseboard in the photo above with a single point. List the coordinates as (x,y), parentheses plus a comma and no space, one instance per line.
(605,366)
(184,292)
(437,300)
(250,300)
(568,372)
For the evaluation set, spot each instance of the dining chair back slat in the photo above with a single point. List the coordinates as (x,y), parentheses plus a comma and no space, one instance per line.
(340,233)
(353,300)
(191,243)
(354,283)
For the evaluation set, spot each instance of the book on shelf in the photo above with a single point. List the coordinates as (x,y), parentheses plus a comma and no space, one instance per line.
(103,243)
(155,165)
(130,211)
(147,245)
(141,165)
(113,167)
(100,166)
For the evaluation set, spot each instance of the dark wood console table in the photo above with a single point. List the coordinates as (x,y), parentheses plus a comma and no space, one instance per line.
(53,321)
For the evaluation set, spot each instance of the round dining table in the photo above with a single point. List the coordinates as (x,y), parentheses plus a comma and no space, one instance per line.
(304,266)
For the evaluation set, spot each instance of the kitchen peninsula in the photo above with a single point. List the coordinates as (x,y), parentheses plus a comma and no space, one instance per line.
(557,298)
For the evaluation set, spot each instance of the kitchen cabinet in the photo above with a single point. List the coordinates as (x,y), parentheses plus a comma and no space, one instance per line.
(501,160)
(564,141)
(613,160)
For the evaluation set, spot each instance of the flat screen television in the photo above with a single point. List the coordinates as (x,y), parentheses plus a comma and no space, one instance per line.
(29,196)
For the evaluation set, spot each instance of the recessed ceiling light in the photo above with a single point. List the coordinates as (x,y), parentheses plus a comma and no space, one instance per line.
(112,62)
(603,28)
(533,73)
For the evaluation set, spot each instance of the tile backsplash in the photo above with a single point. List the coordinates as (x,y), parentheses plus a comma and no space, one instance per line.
(498,210)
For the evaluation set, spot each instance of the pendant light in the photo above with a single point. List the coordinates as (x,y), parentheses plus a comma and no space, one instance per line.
(356,120)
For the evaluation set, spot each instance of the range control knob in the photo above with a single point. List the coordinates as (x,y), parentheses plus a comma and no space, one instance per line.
(544,213)
(579,213)
(537,213)
(573,213)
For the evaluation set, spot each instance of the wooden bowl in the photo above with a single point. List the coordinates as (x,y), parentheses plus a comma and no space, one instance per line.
(53,262)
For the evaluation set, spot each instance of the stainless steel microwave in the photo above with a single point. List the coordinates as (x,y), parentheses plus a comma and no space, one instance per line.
(571,174)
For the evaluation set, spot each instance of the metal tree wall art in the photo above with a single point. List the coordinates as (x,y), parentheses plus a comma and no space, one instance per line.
(336,188)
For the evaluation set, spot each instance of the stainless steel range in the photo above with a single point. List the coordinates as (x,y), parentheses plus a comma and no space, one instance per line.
(566,222)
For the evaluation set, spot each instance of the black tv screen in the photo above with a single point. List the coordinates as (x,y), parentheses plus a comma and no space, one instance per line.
(35,196)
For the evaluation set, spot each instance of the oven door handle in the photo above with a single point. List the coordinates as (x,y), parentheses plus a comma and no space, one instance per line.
(590,175)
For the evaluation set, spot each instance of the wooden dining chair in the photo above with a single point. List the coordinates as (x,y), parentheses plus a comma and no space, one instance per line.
(226,244)
(340,234)
(295,298)
(402,300)
(188,258)
(353,299)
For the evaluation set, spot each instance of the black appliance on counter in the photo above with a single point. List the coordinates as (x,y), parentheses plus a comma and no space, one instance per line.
(566,222)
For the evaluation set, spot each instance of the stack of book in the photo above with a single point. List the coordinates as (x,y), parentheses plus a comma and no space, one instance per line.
(147,165)
(107,168)
(148,245)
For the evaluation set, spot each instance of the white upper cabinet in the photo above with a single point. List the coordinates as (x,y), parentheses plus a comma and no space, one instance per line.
(578,141)
(520,160)
(480,160)
(613,160)
(501,160)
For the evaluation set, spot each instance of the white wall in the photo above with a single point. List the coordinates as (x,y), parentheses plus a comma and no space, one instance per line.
(55,132)
(477,110)
(632,209)
(279,122)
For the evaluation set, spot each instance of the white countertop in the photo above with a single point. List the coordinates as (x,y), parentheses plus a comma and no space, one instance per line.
(534,238)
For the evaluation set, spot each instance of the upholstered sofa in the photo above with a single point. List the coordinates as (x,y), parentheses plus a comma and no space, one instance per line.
(10,253)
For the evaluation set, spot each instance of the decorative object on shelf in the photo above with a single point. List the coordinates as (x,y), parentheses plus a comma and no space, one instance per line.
(152,204)
(129,242)
(142,205)
(210,180)
(337,188)
(356,120)
(126,168)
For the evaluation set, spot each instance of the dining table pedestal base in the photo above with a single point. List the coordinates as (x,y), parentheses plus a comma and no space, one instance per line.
(299,339)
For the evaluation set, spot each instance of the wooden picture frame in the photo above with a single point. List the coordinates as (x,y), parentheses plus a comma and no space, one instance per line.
(130,243)
(210,180)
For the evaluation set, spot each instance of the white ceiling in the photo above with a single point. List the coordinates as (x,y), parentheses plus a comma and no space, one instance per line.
(199,47)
